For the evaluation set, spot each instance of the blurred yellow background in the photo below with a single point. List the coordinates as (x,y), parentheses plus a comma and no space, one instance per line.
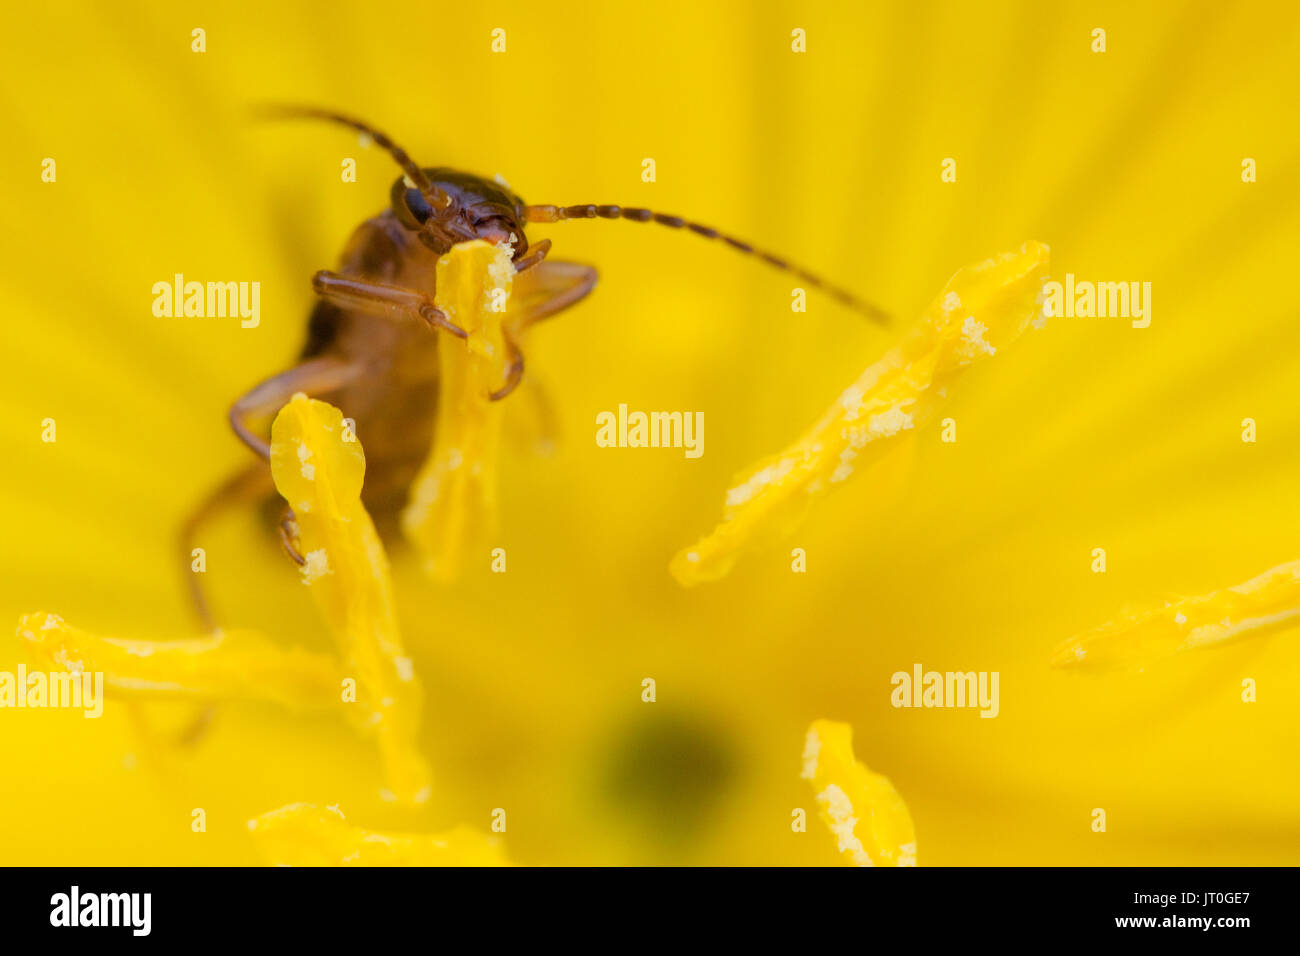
(969,556)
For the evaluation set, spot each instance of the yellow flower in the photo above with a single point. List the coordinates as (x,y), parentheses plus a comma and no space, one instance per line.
(965,555)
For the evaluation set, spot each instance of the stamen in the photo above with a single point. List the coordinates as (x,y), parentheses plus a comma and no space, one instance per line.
(233,665)
(863,810)
(319,472)
(1267,603)
(303,834)
(982,309)
(452,507)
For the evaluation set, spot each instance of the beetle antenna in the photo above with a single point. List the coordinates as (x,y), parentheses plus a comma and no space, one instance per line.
(432,194)
(561,213)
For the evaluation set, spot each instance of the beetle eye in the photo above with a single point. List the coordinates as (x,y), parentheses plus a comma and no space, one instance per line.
(418,205)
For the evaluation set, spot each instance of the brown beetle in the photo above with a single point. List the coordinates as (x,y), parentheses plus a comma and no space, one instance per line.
(372,340)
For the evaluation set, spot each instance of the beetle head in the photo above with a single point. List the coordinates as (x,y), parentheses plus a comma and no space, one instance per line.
(451,207)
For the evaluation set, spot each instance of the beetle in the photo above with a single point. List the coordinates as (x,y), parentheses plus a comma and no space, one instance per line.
(372,339)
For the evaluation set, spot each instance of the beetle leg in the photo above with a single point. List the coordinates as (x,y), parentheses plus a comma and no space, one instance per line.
(319,375)
(514,371)
(289,537)
(198,727)
(382,299)
(553,287)
(533,258)
(247,485)
(250,484)
(549,288)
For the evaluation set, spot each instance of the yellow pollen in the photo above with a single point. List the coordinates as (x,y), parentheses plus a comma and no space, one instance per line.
(864,812)
(347,572)
(233,665)
(453,507)
(304,834)
(1265,604)
(982,309)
